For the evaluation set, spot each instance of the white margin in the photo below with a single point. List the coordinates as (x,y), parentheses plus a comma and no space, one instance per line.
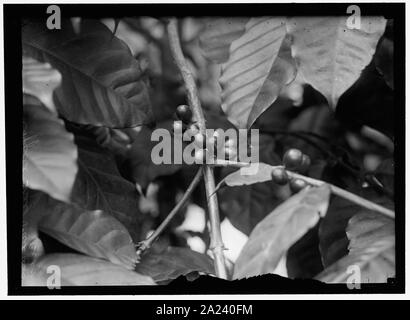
(3,230)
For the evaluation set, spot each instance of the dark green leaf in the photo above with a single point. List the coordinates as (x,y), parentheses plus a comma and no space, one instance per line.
(274,235)
(369,101)
(139,158)
(246,205)
(332,231)
(331,56)
(102,82)
(371,249)
(333,241)
(99,185)
(174,262)
(257,64)
(94,233)
(303,259)
(79,270)
(383,59)
(50,155)
(218,36)
(385,174)
(238,178)
(116,24)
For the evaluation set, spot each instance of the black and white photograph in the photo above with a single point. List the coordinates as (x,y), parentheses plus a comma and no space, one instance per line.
(205,149)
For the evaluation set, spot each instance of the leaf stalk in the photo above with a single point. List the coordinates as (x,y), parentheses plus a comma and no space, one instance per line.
(334,189)
(144,245)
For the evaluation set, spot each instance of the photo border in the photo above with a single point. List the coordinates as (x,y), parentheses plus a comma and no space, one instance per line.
(268,284)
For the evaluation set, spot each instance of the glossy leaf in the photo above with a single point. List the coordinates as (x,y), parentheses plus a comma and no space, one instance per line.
(102,81)
(329,55)
(238,178)
(138,160)
(383,59)
(385,174)
(40,80)
(274,235)
(218,35)
(332,236)
(303,260)
(259,64)
(174,262)
(94,233)
(99,185)
(246,205)
(371,250)
(333,242)
(50,155)
(370,102)
(79,270)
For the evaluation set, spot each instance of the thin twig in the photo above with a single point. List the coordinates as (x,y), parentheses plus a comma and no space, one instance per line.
(336,191)
(147,243)
(186,73)
(345,194)
(217,246)
(135,24)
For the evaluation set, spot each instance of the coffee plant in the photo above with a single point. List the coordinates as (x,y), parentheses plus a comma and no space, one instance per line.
(320,197)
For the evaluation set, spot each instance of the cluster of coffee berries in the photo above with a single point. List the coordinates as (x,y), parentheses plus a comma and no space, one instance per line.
(191,130)
(293,160)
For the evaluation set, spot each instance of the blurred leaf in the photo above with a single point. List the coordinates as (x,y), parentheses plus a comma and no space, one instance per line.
(40,80)
(332,236)
(76,23)
(116,23)
(102,82)
(116,141)
(383,59)
(330,56)
(371,248)
(277,116)
(138,161)
(50,155)
(217,120)
(316,132)
(303,259)
(237,178)
(274,235)
(218,36)
(94,233)
(258,66)
(370,102)
(32,246)
(99,185)
(174,262)
(385,174)
(79,270)
(246,205)
(317,119)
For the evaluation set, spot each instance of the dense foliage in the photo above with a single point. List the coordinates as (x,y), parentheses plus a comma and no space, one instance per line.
(94,91)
